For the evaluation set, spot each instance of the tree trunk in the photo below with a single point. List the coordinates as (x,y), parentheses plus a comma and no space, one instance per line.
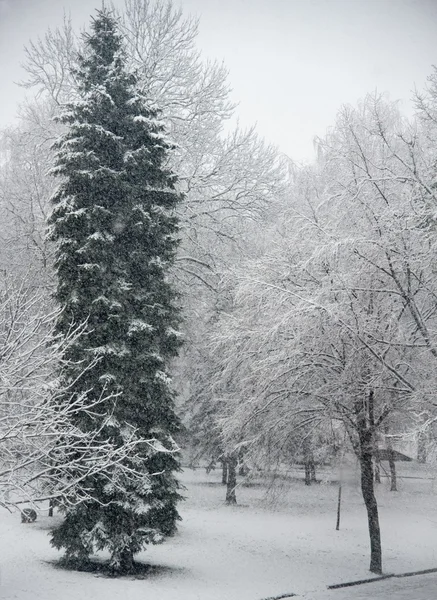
(391,462)
(224,471)
(367,486)
(126,562)
(51,506)
(308,461)
(377,470)
(372,512)
(231,497)
(421,447)
(338,508)
(307,474)
(393,478)
(313,471)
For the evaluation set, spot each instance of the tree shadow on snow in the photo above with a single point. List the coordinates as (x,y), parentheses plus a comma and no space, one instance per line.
(102,568)
(219,484)
(213,484)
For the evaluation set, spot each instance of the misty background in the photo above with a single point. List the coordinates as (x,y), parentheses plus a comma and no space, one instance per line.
(291,63)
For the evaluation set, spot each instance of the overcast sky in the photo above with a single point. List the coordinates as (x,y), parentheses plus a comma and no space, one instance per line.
(292,62)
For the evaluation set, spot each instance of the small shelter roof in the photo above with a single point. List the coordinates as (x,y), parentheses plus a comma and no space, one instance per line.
(383,454)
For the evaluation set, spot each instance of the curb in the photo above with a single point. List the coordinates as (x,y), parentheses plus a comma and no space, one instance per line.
(289,595)
(380,578)
(337,586)
(358,582)
(412,573)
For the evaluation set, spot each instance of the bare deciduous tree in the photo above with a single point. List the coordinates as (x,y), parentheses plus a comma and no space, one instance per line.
(44,456)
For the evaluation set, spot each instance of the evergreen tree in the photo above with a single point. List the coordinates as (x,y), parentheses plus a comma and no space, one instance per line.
(116,235)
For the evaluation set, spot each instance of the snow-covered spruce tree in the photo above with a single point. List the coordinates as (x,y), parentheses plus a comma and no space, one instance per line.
(116,236)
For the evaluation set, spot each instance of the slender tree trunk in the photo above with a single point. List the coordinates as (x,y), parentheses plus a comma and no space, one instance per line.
(391,462)
(393,478)
(224,471)
(375,449)
(308,461)
(231,497)
(377,469)
(338,508)
(307,474)
(372,512)
(313,471)
(51,503)
(421,447)
(367,486)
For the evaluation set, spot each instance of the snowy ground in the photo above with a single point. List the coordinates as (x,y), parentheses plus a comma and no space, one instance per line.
(423,587)
(259,549)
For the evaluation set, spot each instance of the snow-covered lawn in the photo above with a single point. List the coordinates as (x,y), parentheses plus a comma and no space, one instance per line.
(255,550)
(423,587)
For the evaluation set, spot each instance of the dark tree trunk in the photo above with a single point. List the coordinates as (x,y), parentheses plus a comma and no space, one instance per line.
(421,447)
(377,469)
(393,478)
(224,471)
(51,506)
(310,469)
(307,474)
(375,450)
(313,471)
(367,486)
(231,497)
(338,508)
(372,512)
(391,462)
(126,562)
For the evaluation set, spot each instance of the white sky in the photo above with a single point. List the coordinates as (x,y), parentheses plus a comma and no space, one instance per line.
(292,62)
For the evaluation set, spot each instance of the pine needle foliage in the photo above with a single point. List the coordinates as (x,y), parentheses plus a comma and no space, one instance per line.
(116,234)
